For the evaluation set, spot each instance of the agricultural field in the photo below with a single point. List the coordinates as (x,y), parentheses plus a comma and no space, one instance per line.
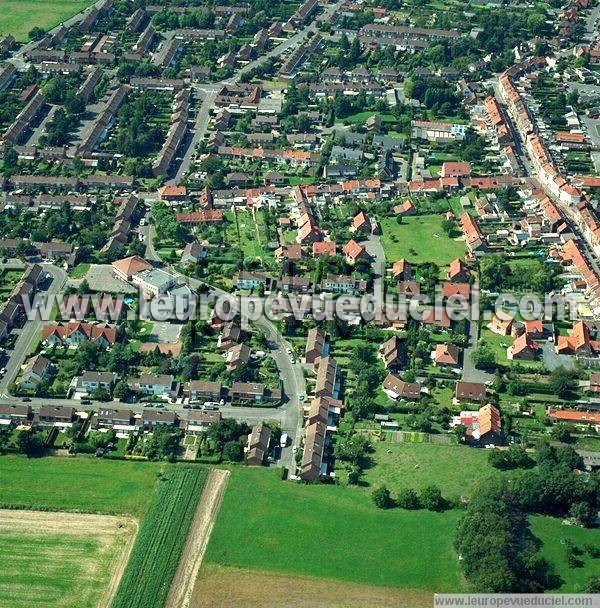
(64,560)
(160,541)
(419,238)
(19,17)
(239,588)
(81,484)
(331,532)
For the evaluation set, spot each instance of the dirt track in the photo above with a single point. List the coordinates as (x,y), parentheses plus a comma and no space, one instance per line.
(209,504)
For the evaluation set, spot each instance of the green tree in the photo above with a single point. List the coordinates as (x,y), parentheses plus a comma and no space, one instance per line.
(431,498)
(382,498)
(483,357)
(408,499)
(233,451)
(563,382)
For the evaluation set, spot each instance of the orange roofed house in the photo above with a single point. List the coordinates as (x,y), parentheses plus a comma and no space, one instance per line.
(353,251)
(484,427)
(169,194)
(127,267)
(577,343)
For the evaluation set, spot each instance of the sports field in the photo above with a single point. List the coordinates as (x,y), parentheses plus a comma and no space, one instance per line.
(419,238)
(331,532)
(19,17)
(63,560)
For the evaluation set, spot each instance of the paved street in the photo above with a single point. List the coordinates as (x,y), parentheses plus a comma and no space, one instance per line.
(28,334)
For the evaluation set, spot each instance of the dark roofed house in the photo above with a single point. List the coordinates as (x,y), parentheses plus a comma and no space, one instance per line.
(14,414)
(258,444)
(50,415)
(470,391)
(312,467)
(153,418)
(396,388)
(315,345)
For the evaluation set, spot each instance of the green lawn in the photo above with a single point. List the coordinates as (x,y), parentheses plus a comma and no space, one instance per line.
(552,533)
(364,116)
(78,484)
(252,238)
(79,271)
(19,17)
(419,238)
(454,469)
(496,342)
(331,532)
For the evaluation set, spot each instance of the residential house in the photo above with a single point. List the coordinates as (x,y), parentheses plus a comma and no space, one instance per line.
(470,391)
(14,415)
(152,419)
(237,356)
(248,392)
(312,466)
(327,383)
(446,355)
(193,253)
(395,388)
(316,346)
(37,369)
(89,382)
(353,251)
(122,421)
(154,384)
(258,445)
(393,353)
(198,421)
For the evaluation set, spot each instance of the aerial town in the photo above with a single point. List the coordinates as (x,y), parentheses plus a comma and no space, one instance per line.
(309,158)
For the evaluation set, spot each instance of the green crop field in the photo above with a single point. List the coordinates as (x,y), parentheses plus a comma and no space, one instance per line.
(19,17)
(158,546)
(419,238)
(79,484)
(552,532)
(331,532)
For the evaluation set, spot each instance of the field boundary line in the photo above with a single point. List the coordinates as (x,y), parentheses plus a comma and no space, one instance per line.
(119,570)
(182,586)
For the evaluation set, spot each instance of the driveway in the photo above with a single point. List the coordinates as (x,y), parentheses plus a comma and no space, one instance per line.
(552,359)
(470,373)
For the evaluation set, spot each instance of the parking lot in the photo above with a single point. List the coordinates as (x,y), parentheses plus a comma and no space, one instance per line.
(100,278)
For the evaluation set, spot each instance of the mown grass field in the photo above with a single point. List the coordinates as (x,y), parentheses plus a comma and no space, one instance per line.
(78,484)
(419,238)
(160,541)
(454,469)
(19,17)
(331,532)
(552,533)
